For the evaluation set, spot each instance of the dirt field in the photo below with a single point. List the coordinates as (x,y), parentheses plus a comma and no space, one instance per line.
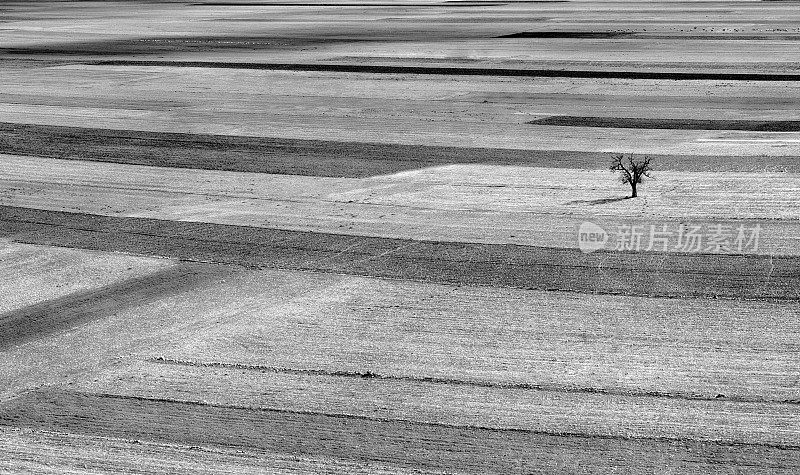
(409,109)
(527,267)
(342,237)
(472,449)
(680,124)
(489,204)
(434,356)
(319,158)
(42,274)
(445,71)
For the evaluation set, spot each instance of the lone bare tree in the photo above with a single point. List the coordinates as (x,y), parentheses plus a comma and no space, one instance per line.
(631,170)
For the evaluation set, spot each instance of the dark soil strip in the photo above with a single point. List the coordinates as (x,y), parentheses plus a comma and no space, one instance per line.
(471,383)
(315,157)
(398,443)
(165,45)
(567,34)
(679,124)
(526,267)
(53,316)
(344,5)
(361,5)
(450,71)
(649,36)
(246,154)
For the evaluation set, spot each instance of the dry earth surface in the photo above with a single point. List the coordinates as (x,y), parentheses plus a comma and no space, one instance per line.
(342,237)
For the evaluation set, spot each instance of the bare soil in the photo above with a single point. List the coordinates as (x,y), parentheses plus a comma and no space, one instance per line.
(464,71)
(431,338)
(60,314)
(669,124)
(403,443)
(329,158)
(643,273)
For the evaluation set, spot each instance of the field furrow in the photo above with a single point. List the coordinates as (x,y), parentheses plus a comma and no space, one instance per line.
(630,273)
(392,237)
(406,444)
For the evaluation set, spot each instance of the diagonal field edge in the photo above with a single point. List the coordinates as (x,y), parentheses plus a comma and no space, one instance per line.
(53,316)
(494,265)
(260,154)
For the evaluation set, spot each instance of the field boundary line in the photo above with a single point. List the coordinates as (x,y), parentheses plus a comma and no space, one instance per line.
(456,71)
(369,375)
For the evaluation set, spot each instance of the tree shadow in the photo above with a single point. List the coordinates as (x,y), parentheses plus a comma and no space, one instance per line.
(601,201)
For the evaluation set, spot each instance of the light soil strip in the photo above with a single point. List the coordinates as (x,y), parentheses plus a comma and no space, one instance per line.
(61,314)
(47,452)
(561,342)
(458,203)
(552,412)
(391,108)
(66,336)
(301,320)
(35,274)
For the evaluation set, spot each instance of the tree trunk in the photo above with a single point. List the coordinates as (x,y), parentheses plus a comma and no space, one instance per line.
(633,190)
